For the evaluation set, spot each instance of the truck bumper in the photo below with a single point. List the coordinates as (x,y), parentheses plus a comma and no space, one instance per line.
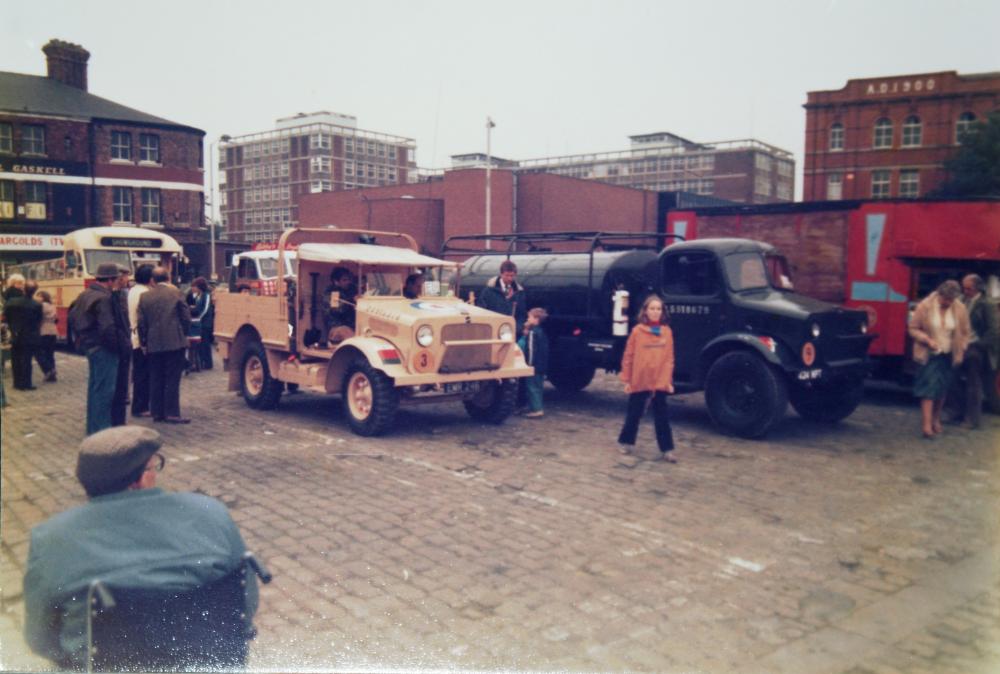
(478,375)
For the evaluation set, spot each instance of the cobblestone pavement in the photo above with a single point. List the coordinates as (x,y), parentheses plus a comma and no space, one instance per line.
(856,548)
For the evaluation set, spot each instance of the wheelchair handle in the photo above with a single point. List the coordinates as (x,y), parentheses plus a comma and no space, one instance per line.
(258,568)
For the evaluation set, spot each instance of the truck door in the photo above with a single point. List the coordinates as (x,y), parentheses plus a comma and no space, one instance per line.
(691,286)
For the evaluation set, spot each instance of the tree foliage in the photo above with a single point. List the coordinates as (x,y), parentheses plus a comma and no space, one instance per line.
(974,171)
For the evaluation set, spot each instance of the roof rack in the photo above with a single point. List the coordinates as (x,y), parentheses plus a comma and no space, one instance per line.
(535,242)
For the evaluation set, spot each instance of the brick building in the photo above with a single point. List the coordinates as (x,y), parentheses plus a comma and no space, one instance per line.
(263,174)
(454,205)
(70,159)
(743,171)
(889,137)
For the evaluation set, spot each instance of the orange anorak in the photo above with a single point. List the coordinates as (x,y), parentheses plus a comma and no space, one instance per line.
(648,363)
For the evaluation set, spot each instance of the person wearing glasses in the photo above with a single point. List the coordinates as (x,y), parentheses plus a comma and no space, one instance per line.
(130,534)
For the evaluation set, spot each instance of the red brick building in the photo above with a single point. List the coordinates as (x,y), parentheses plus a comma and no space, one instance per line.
(70,159)
(888,137)
(455,205)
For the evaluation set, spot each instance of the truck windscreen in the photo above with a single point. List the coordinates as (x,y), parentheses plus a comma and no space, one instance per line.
(746,271)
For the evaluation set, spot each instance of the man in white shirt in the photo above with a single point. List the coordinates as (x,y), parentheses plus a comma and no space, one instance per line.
(140,369)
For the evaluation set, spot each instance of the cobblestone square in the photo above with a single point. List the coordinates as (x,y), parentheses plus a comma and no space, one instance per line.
(855,548)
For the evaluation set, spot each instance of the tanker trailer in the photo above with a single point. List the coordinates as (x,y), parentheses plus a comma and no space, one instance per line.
(588,298)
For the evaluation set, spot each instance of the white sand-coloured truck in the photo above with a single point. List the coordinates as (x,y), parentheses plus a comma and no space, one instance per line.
(423,346)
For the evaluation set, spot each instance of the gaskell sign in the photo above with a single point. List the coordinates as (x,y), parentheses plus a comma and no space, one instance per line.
(44,168)
(900,87)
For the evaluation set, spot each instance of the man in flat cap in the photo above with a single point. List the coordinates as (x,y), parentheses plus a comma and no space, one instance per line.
(131,535)
(92,320)
(164,322)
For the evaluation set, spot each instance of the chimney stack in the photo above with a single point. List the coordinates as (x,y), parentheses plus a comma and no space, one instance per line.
(67,63)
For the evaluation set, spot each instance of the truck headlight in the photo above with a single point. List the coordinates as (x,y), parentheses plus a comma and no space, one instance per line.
(506,332)
(425,335)
(815,330)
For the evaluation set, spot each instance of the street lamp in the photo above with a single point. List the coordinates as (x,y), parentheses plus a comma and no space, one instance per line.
(224,138)
(489,162)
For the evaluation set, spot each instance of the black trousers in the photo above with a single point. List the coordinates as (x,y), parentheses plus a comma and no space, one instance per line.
(140,382)
(965,398)
(661,416)
(119,402)
(165,370)
(205,353)
(46,354)
(20,357)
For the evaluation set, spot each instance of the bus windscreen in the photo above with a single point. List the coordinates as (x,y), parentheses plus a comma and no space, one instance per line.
(94,258)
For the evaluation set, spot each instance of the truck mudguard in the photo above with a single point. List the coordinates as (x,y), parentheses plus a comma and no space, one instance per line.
(770,349)
(380,353)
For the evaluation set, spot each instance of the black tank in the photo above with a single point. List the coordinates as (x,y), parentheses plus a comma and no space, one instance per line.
(574,288)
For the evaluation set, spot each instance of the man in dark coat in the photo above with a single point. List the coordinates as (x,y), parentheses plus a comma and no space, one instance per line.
(24,318)
(92,320)
(504,295)
(119,306)
(164,323)
(966,395)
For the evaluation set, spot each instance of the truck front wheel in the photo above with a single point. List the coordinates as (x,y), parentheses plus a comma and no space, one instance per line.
(828,403)
(260,390)
(572,379)
(494,402)
(744,394)
(369,399)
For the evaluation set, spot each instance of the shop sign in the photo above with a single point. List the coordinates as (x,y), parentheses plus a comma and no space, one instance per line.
(31,242)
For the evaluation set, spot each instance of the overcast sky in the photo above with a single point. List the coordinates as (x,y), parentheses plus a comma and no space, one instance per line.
(557,76)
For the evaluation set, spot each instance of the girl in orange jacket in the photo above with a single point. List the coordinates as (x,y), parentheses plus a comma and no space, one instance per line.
(648,370)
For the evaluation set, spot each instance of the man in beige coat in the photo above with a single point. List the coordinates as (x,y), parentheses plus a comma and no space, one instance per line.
(164,321)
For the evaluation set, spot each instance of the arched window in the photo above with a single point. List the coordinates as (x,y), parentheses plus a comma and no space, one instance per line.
(964,125)
(912,131)
(883,133)
(837,136)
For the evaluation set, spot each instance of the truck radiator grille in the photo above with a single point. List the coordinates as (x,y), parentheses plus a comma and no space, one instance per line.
(459,358)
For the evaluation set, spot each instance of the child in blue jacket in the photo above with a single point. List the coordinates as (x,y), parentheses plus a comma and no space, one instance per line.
(536,352)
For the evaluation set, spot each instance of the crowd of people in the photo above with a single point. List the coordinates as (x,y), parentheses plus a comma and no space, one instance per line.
(139,339)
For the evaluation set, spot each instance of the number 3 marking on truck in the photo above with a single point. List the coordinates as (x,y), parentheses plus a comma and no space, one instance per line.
(423,361)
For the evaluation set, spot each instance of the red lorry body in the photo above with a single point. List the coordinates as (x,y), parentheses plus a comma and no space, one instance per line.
(879,256)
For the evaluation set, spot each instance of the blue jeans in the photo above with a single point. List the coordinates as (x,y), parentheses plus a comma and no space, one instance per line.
(533,387)
(100,388)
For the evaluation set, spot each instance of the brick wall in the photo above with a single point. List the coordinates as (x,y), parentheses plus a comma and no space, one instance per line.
(65,140)
(178,208)
(455,205)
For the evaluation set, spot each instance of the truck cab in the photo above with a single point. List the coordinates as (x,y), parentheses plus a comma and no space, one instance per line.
(379,344)
(256,271)
(753,344)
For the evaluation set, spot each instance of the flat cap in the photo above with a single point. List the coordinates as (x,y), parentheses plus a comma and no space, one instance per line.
(107,270)
(109,456)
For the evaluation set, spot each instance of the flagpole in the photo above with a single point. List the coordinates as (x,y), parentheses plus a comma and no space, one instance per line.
(489,162)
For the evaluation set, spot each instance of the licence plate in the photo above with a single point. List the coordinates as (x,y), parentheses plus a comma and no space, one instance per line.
(462,387)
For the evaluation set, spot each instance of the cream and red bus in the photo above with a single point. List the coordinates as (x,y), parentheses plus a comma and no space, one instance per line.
(66,277)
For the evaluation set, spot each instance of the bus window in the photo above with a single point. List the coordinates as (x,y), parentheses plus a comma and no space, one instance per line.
(95,258)
(72,261)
